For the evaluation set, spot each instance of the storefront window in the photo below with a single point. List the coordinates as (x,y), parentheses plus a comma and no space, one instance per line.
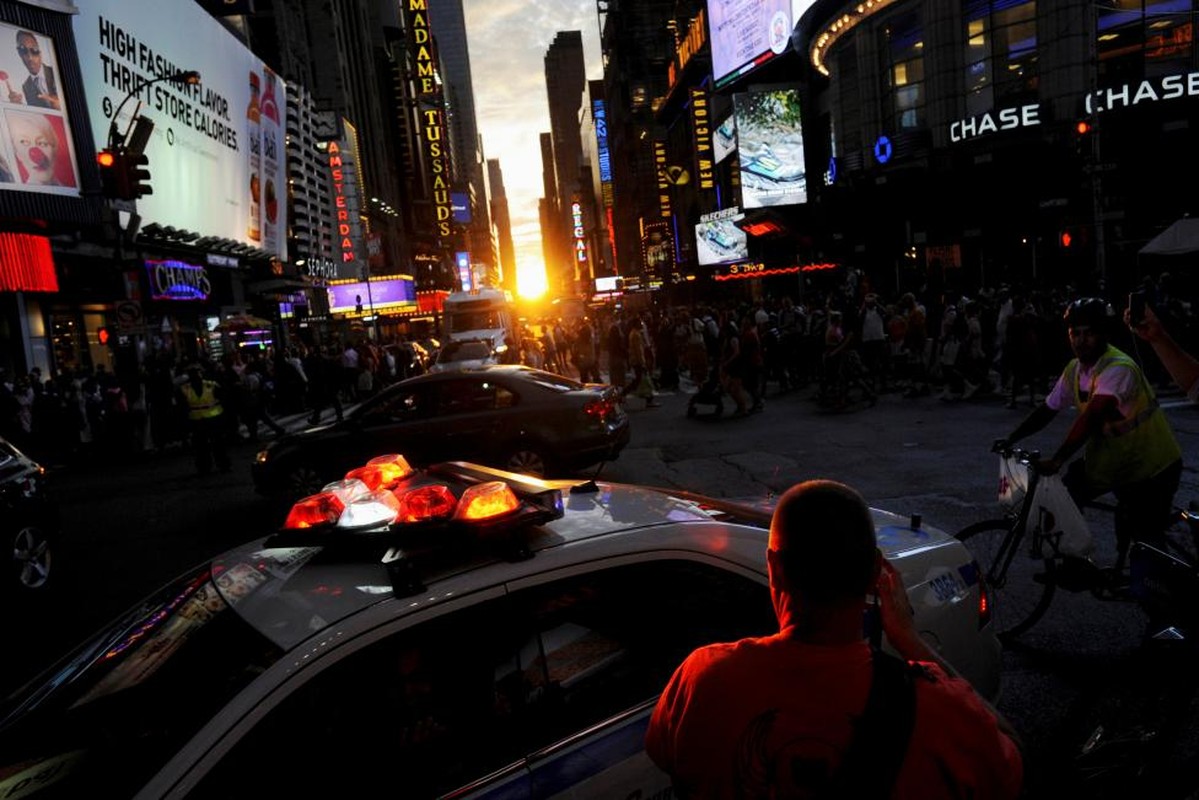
(1137,39)
(1001,54)
(903,49)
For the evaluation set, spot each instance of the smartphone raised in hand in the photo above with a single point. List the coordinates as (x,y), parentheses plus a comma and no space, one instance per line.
(1136,308)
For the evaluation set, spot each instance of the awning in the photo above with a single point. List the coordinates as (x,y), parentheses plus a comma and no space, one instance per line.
(1181,237)
(276,285)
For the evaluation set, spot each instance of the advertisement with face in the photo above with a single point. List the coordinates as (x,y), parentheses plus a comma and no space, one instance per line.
(36,149)
(214,142)
(746,34)
(770,146)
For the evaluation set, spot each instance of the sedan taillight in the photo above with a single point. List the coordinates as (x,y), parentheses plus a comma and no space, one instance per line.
(600,408)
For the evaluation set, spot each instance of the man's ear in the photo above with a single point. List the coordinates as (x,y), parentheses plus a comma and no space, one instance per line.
(774,566)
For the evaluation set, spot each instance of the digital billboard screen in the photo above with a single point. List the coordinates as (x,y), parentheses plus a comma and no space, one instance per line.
(37,151)
(720,241)
(724,140)
(382,295)
(460,203)
(770,148)
(746,34)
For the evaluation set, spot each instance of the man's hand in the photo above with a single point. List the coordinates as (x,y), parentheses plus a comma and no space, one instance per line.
(1150,327)
(51,100)
(16,97)
(1048,466)
(896,608)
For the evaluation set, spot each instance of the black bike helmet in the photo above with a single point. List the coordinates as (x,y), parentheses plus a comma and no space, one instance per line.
(1093,311)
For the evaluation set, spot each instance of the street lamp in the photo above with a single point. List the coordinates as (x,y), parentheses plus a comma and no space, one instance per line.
(183,78)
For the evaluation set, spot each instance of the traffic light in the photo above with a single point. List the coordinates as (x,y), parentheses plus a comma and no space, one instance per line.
(103,335)
(1084,139)
(113,173)
(137,175)
(1074,237)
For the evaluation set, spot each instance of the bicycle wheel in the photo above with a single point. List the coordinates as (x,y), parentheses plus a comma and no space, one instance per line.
(1020,595)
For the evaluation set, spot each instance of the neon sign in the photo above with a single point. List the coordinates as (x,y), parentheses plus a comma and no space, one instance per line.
(177,280)
(576,213)
(701,127)
(663,180)
(339,201)
(600,115)
(1005,120)
(426,75)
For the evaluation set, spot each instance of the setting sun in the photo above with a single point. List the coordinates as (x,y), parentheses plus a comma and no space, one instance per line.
(530,280)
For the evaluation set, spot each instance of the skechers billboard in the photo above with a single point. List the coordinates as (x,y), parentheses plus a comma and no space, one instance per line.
(217,161)
(770,147)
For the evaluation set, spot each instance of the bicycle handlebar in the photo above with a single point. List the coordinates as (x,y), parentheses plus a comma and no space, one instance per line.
(1006,449)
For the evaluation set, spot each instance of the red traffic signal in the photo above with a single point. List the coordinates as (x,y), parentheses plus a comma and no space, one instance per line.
(1082,128)
(103,335)
(1065,238)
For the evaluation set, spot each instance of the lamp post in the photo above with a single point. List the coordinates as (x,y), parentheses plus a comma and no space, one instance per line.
(189,77)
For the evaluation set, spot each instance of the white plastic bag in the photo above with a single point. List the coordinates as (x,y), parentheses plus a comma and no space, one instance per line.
(1013,483)
(1064,517)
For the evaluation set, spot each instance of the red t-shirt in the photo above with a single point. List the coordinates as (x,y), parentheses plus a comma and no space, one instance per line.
(772,717)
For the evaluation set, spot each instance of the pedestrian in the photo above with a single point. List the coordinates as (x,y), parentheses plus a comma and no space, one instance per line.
(324,377)
(642,384)
(205,417)
(818,709)
(617,345)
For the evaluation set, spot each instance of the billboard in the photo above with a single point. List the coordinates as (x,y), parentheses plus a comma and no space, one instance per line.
(770,147)
(395,293)
(460,204)
(745,35)
(216,155)
(718,240)
(37,151)
(724,138)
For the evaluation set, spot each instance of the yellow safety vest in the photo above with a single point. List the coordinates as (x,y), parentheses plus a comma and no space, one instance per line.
(1131,449)
(204,405)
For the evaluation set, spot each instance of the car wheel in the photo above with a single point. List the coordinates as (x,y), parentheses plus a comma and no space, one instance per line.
(304,480)
(527,460)
(32,557)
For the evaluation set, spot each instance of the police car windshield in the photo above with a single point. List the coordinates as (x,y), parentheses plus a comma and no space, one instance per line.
(112,713)
(464,351)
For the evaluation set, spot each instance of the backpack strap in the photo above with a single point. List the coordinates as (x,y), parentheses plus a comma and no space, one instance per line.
(881,735)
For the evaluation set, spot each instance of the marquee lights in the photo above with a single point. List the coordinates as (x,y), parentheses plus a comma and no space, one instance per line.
(852,16)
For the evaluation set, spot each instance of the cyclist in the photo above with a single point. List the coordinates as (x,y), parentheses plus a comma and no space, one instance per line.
(1130,449)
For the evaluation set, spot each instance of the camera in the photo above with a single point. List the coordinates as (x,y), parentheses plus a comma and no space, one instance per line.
(1136,307)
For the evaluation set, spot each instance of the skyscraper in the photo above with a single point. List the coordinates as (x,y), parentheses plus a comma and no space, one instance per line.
(565,80)
(503,225)
(449,28)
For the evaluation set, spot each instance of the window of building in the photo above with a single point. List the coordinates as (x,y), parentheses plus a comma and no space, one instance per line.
(1137,39)
(1001,54)
(903,52)
(848,136)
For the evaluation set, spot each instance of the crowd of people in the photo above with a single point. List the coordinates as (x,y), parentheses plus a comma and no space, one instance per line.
(847,343)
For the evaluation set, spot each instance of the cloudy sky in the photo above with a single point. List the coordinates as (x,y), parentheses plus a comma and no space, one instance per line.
(508,40)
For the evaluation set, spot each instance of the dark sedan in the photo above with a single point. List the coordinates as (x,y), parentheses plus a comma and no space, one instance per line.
(513,417)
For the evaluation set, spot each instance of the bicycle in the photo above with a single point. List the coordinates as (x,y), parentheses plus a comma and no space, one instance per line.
(1044,526)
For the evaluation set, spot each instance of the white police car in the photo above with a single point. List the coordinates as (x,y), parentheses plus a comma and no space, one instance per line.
(455,631)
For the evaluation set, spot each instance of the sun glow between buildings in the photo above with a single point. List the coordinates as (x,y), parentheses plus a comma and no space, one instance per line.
(530,280)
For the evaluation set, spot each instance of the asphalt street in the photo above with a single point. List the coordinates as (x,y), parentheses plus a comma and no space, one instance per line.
(130,527)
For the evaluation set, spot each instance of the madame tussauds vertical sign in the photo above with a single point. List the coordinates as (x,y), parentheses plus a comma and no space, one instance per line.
(432,114)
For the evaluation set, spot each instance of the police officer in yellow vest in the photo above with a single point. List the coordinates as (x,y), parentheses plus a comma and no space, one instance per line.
(204,419)
(1130,449)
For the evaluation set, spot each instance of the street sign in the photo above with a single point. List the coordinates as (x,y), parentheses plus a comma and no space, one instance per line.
(129,316)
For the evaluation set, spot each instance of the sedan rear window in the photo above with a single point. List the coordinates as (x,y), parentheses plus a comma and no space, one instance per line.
(555,383)
(464,351)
